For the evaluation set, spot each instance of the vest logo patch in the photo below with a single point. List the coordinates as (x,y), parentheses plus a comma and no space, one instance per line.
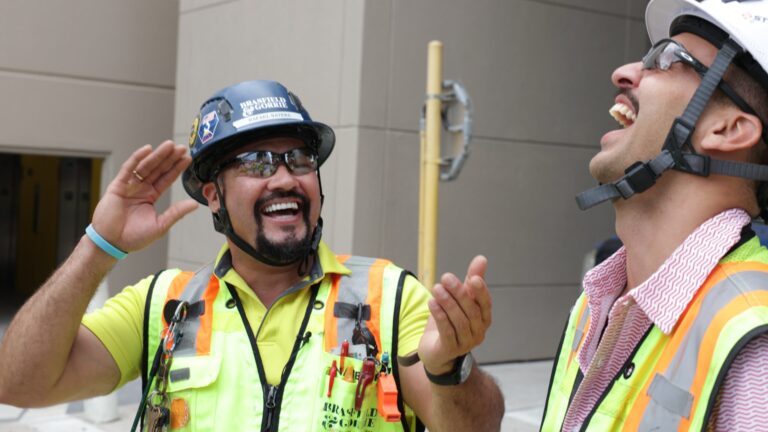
(337,418)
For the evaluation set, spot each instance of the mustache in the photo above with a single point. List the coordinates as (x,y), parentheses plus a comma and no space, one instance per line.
(628,94)
(282,194)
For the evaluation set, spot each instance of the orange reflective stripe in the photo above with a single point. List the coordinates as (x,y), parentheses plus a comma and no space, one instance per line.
(175,290)
(331,334)
(689,316)
(375,279)
(584,334)
(203,342)
(734,308)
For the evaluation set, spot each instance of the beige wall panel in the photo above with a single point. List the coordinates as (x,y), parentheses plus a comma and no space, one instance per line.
(377,66)
(200,73)
(351,74)
(308,46)
(76,117)
(514,202)
(370,205)
(399,203)
(339,186)
(527,81)
(132,41)
(527,322)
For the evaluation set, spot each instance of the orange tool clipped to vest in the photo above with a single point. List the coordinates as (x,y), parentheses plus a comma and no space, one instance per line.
(387,394)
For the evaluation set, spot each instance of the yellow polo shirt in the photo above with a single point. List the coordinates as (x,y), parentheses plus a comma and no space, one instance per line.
(119,324)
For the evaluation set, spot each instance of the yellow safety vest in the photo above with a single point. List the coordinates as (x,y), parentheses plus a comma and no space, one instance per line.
(217,381)
(671,381)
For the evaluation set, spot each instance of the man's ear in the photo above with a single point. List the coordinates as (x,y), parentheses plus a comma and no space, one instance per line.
(209,192)
(735,131)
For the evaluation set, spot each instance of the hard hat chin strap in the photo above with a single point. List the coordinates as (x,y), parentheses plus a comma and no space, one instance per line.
(222,224)
(678,152)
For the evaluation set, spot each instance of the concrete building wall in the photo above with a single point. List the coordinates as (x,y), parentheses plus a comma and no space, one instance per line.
(89,79)
(538,73)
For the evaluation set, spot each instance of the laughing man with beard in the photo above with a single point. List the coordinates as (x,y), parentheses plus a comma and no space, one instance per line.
(277,333)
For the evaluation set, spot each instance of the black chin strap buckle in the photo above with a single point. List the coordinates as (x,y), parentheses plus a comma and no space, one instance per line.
(637,178)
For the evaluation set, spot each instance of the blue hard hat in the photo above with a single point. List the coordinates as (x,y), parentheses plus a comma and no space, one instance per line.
(241,113)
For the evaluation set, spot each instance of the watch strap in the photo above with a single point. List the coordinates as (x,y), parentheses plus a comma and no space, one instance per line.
(452,377)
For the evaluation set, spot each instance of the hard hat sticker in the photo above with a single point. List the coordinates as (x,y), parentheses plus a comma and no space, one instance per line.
(267,116)
(193,131)
(208,126)
(250,106)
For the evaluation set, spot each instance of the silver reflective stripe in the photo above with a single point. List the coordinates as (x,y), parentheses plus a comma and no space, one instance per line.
(675,399)
(577,335)
(353,289)
(192,293)
(682,369)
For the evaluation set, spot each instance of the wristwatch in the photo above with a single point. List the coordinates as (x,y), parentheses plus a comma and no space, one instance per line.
(460,372)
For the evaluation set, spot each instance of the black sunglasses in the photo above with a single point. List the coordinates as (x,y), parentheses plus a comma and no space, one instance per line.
(263,164)
(666,52)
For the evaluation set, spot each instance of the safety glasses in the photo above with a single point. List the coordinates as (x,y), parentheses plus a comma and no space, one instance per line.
(263,164)
(667,52)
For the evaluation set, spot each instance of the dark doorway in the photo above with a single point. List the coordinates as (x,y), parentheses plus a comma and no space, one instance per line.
(45,204)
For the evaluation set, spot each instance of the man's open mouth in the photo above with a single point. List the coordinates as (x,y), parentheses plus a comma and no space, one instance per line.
(623,113)
(288,208)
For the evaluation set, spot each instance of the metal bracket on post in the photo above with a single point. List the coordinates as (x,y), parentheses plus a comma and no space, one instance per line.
(455,94)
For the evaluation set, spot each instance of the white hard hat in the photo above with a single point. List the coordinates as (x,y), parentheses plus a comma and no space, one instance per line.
(745,21)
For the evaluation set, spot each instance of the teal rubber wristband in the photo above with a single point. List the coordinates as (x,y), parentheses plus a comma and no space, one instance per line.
(103,244)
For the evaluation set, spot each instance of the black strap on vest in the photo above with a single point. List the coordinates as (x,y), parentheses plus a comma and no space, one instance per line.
(360,312)
(194,310)
(144,350)
(146,379)
(395,337)
(615,379)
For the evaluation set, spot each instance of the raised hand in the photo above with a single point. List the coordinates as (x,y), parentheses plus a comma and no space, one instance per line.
(461,314)
(126,215)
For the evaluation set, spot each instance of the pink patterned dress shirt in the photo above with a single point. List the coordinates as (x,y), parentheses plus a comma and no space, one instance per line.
(742,404)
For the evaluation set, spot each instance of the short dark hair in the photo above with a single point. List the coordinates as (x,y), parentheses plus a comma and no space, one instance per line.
(751,91)
(745,75)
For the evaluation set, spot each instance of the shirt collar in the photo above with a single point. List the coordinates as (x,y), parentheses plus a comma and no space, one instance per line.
(326,264)
(664,296)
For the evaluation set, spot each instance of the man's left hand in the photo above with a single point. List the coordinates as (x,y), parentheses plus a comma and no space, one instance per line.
(461,314)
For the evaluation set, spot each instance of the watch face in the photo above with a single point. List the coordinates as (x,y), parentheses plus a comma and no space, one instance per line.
(466,367)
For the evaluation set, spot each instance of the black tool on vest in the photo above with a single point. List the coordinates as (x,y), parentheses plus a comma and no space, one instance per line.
(360,334)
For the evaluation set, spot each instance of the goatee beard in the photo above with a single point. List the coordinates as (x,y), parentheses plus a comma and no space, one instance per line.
(291,249)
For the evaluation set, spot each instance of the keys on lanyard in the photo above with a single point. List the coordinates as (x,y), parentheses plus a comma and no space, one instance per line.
(158,419)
